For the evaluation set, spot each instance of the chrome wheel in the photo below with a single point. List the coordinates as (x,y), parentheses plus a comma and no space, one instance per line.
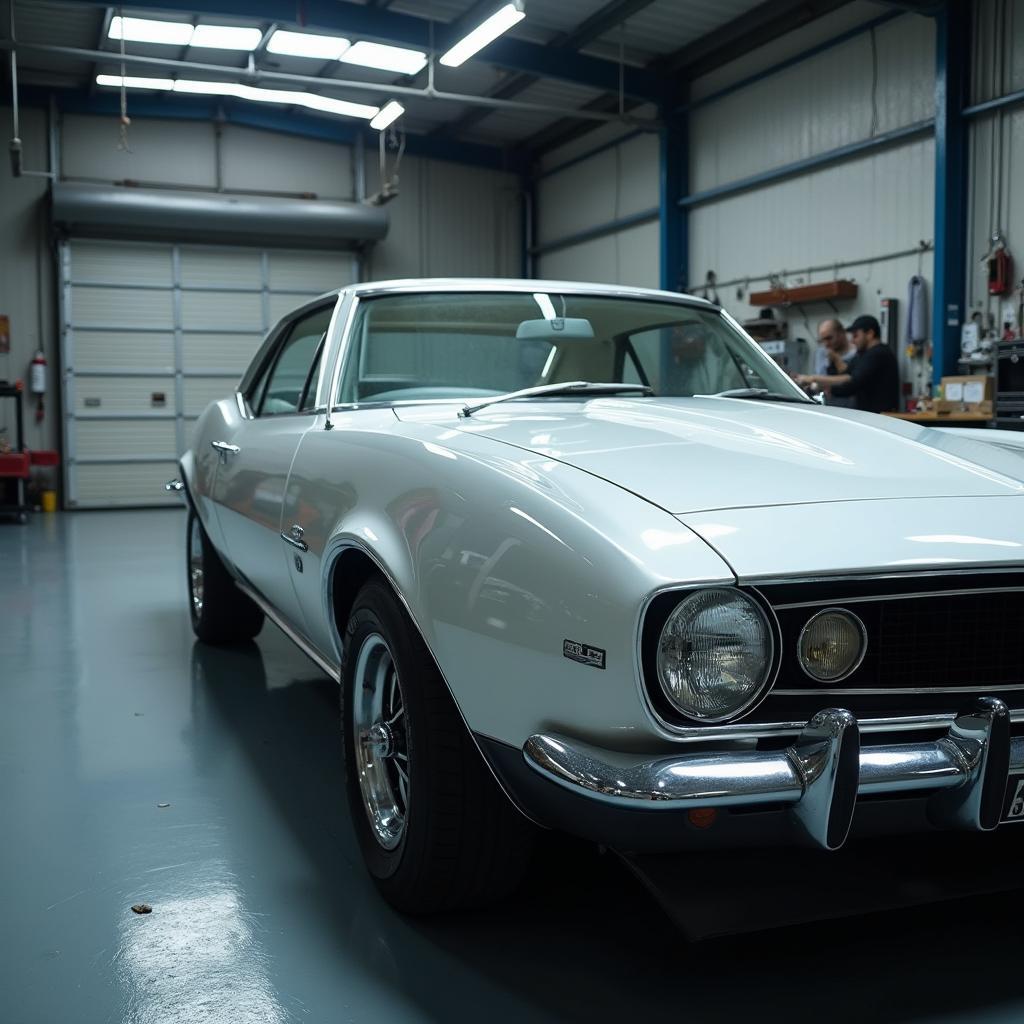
(381,747)
(195,565)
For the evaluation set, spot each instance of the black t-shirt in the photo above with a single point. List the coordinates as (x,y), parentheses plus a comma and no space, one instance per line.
(875,380)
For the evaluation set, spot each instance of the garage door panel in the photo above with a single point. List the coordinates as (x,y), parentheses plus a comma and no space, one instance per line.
(106,485)
(154,333)
(119,263)
(122,307)
(99,395)
(209,351)
(120,350)
(283,303)
(235,311)
(199,392)
(125,438)
(310,272)
(228,268)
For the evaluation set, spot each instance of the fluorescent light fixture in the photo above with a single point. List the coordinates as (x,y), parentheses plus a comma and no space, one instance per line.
(385,58)
(226,37)
(146,30)
(164,84)
(326,104)
(389,113)
(307,44)
(546,307)
(486,32)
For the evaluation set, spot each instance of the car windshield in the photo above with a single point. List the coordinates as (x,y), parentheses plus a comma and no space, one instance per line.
(453,345)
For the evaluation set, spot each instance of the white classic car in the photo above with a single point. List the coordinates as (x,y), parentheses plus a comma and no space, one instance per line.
(584,557)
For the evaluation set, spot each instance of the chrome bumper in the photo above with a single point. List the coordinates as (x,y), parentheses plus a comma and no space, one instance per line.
(963,774)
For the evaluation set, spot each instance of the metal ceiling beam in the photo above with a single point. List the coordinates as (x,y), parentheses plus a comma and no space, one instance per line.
(362,21)
(736,38)
(601,21)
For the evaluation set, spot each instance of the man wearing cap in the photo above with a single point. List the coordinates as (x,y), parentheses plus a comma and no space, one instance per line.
(872,378)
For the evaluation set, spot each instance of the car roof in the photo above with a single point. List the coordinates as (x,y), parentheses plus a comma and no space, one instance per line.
(506,284)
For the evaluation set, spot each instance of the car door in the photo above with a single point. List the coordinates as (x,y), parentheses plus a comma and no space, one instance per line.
(255,459)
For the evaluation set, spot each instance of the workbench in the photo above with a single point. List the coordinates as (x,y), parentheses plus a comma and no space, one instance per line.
(936,419)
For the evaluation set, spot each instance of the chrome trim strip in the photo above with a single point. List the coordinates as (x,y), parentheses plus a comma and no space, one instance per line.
(983,570)
(881,692)
(332,670)
(898,597)
(820,775)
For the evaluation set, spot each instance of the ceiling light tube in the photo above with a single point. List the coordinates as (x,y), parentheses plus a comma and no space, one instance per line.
(307,44)
(148,30)
(387,115)
(486,32)
(385,58)
(130,82)
(226,37)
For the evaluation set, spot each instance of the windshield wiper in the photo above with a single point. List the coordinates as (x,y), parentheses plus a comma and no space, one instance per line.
(758,394)
(572,387)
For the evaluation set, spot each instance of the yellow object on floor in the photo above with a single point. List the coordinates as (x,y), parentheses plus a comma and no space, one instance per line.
(49,501)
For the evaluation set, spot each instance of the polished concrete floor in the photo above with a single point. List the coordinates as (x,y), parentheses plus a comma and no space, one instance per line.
(139,767)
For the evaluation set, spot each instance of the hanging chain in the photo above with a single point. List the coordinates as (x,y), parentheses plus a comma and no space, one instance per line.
(125,119)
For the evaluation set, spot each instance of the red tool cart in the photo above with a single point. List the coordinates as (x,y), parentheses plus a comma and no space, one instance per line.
(14,465)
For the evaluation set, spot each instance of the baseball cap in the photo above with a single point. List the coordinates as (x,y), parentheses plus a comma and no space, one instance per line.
(865,323)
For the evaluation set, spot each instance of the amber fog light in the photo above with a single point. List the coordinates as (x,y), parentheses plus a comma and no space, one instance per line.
(832,645)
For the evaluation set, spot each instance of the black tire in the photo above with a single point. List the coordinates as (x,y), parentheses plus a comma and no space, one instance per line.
(463,844)
(223,614)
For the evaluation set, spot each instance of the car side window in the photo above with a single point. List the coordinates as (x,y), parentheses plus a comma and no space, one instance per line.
(290,385)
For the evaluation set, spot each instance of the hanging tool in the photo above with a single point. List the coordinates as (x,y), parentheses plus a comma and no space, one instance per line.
(999,266)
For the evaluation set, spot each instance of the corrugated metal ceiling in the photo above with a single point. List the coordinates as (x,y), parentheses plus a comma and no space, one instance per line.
(659,28)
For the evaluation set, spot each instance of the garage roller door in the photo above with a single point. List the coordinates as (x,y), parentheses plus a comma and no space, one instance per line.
(151,333)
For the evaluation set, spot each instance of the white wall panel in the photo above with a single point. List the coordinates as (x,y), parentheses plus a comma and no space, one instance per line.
(167,152)
(310,271)
(858,210)
(620,181)
(449,220)
(817,105)
(628,257)
(261,162)
(211,267)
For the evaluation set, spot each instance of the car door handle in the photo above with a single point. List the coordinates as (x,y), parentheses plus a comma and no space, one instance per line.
(225,447)
(294,537)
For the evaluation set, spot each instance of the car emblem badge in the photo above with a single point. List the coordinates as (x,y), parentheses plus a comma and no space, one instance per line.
(583,653)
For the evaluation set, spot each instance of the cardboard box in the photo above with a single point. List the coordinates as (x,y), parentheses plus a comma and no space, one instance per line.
(967,392)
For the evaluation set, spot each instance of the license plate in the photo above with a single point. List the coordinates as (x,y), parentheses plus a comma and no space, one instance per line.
(1013,801)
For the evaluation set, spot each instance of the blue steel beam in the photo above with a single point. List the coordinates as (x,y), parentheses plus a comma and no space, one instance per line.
(1011,99)
(251,115)
(361,21)
(952,78)
(672,218)
(600,231)
(919,129)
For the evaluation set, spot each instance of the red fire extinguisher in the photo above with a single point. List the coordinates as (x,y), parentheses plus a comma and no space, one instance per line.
(37,382)
(1000,267)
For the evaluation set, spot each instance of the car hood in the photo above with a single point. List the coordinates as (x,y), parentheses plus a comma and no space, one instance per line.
(699,455)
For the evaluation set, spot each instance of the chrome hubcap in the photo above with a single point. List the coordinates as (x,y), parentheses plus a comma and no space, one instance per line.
(381,741)
(195,566)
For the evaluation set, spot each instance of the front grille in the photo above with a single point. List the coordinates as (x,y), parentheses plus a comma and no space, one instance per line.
(922,637)
(934,642)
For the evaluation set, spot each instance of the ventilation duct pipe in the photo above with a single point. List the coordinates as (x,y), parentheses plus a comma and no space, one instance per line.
(147,213)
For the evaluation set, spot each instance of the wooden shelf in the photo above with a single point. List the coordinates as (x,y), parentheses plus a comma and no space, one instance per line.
(824,292)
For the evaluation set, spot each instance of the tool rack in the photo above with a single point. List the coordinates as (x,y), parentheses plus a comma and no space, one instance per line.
(14,466)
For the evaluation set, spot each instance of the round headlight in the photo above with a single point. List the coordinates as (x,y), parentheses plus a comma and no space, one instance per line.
(832,645)
(714,654)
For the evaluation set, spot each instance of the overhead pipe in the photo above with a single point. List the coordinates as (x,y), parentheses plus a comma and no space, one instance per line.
(256,76)
(17,168)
